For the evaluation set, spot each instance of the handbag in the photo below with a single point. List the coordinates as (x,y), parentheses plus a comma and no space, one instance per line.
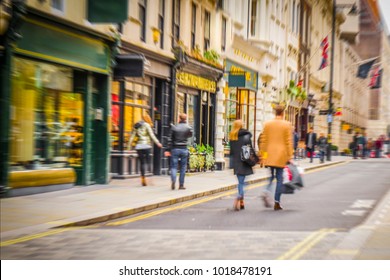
(248,155)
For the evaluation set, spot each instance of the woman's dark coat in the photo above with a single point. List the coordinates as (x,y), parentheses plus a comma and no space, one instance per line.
(240,167)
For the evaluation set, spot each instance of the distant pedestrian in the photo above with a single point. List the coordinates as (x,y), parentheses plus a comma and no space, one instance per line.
(141,139)
(363,141)
(177,150)
(311,142)
(322,146)
(296,141)
(277,150)
(355,141)
(239,137)
(378,147)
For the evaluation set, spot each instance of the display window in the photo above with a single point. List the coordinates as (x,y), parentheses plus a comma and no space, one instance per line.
(136,101)
(188,103)
(46,117)
(240,104)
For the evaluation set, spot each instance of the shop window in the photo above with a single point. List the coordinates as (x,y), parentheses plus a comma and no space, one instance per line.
(240,104)
(46,117)
(135,103)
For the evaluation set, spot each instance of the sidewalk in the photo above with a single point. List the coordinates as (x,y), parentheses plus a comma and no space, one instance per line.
(84,205)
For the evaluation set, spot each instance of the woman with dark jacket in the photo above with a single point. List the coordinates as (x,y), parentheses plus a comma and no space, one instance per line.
(239,137)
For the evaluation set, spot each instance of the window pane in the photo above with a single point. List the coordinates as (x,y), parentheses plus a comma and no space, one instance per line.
(180,103)
(131,115)
(46,117)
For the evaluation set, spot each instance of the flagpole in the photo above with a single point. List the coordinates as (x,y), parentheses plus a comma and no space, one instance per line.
(366,60)
(330,109)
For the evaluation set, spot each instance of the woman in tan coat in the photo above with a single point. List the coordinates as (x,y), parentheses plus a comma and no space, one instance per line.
(276,149)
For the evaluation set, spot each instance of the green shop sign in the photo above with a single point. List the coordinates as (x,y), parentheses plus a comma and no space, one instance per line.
(52,43)
(240,76)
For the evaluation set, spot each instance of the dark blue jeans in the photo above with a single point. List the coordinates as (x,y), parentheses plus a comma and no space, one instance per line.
(240,186)
(177,154)
(279,183)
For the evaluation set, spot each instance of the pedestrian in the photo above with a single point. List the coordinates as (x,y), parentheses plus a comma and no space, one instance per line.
(177,149)
(355,141)
(296,141)
(322,146)
(277,149)
(141,139)
(311,142)
(238,137)
(378,147)
(363,143)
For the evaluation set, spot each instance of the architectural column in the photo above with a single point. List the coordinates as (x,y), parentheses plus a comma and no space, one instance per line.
(220,124)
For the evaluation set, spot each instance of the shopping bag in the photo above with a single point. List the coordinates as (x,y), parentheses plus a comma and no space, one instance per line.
(292,178)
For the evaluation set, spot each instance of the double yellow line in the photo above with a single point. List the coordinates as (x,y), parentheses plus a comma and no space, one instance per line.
(296,252)
(35,236)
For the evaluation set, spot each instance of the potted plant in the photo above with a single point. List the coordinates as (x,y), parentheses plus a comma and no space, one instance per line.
(210,159)
(334,150)
(193,161)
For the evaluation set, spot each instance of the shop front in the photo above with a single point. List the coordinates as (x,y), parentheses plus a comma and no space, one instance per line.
(240,99)
(195,96)
(57,107)
(131,97)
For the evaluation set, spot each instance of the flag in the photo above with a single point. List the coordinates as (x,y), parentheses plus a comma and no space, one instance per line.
(376,79)
(374,76)
(324,56)
(364,69)
(339,112)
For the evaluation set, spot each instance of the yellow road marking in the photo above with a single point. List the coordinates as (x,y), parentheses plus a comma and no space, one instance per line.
(305,245)
(35,236)
(326,167)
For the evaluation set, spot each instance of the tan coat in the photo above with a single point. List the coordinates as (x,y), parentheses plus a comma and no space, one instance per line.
(276,147)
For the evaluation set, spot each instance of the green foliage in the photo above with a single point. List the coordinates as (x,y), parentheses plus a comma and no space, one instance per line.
(334,148)
(347,151)
(211,55)
(201,156)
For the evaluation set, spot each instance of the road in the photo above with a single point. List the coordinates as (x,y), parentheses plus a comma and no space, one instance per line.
(315,219)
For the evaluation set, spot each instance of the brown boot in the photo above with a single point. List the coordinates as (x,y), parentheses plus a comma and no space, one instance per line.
(242,205)
(277,206)
(143,181)
(236,205)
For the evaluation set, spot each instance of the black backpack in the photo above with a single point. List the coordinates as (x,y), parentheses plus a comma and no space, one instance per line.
(248,154)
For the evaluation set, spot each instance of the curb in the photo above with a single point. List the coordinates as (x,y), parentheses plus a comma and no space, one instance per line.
(87,221)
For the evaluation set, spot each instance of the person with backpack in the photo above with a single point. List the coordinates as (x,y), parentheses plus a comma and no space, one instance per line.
(238,138)
(277,149)
(141,139)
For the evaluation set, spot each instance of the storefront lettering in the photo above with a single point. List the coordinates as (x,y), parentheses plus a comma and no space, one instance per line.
(244,55)
(194,81)
(235,70)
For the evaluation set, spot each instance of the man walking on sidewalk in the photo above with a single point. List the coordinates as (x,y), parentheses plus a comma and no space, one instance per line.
(277,149)
(311,142)
(178,149)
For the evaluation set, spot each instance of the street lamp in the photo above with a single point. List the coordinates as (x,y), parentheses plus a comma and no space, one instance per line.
(330,105)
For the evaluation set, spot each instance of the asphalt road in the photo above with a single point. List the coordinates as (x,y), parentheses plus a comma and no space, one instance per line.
(314,221)
(336,197)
